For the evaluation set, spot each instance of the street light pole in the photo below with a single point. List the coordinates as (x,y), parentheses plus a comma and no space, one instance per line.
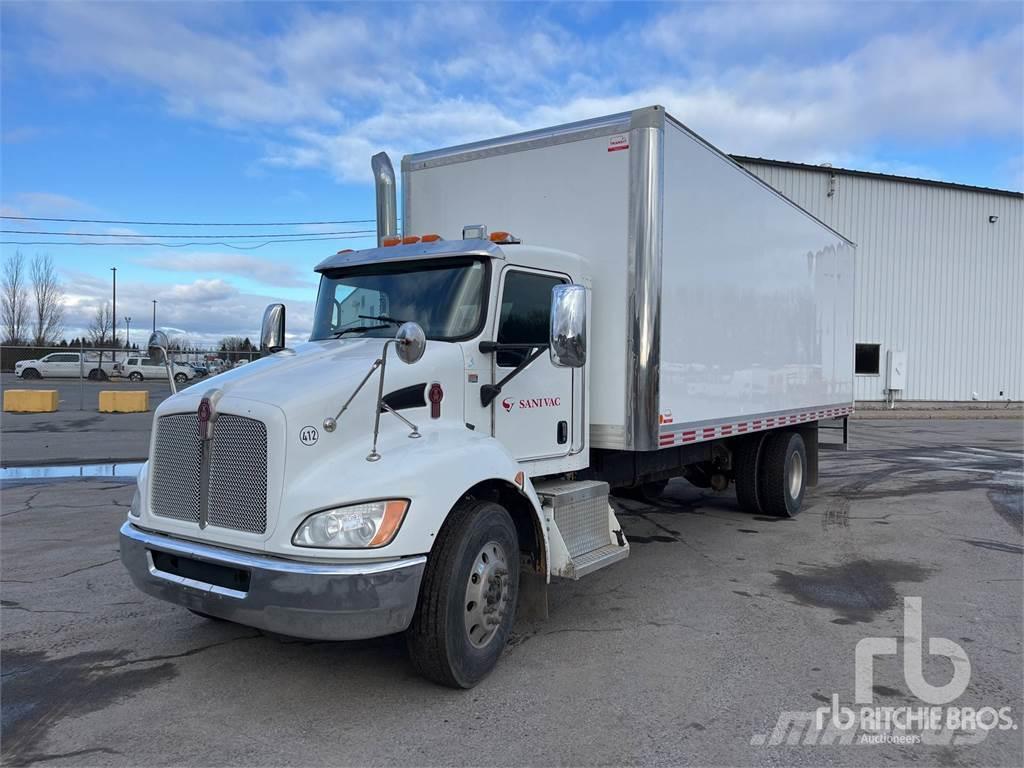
(113,314)
(127,332)
(154,315)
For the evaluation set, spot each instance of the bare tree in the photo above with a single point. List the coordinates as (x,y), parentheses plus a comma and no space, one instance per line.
(49,295)
(101,325)
(14,299)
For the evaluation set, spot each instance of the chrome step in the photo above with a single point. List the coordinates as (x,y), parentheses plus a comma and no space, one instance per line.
(599,558)
(583,532)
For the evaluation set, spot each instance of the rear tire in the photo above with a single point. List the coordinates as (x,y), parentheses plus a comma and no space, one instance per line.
(783,476)
(648,491)
(30,373)
(746,460)
(134,376)
(181,378)
(98,374)
(467,601)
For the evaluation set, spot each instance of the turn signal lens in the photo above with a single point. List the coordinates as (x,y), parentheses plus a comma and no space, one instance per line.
(358,526)
(389,241)
(504,238)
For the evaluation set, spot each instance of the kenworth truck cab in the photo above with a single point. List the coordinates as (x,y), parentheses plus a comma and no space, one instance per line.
(445,442)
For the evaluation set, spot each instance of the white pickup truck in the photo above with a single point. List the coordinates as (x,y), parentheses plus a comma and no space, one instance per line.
(65,365)
(143,368)
(569,311)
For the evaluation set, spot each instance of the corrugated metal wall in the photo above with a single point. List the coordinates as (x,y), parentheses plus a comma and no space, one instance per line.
(934,278)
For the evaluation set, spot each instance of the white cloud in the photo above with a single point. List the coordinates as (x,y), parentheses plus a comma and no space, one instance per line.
(326,87)
(206,309)
(265,271)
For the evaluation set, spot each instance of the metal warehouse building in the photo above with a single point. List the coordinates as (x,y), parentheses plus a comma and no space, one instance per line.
(940,279)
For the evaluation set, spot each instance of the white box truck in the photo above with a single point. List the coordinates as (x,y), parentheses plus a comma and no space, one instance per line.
(597,306)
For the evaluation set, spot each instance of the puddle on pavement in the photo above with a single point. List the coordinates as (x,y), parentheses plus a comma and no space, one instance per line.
(66,471)
(856,591)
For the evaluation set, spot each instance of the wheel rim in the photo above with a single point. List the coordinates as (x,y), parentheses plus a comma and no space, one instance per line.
(796,475)
(487,593)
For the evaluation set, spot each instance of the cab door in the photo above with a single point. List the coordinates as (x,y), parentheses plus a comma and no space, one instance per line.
(533,414)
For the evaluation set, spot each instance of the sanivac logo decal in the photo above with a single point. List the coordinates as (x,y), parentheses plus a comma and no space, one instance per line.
(533,402)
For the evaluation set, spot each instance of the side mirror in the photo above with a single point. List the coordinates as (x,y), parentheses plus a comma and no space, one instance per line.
(272,331)
(411,343)
(158,344)
(159,349)
(568,341)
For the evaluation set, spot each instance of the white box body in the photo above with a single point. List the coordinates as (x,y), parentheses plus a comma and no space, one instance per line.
(716,300)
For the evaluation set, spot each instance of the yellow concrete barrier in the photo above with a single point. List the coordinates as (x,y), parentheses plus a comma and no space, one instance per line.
(30,400)
(132,401)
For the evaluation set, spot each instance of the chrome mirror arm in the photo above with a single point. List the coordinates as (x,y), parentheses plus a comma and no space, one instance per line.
(331,423)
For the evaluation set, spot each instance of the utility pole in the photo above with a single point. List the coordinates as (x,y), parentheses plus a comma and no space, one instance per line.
(154,315)
(127,332)
(113,314)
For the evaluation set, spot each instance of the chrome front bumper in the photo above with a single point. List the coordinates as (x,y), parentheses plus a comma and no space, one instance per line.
(299,599)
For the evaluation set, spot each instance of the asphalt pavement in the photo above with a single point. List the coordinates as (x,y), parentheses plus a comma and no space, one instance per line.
(687,653)
(78,432)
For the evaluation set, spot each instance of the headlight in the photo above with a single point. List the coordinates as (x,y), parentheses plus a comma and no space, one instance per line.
(133,509)
(361,526)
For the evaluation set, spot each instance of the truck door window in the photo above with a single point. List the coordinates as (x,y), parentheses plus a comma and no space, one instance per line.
(525,314)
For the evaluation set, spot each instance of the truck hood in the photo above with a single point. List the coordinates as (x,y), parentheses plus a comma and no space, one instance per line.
(313,380)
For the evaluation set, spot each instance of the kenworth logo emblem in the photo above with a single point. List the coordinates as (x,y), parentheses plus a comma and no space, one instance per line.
(204,413)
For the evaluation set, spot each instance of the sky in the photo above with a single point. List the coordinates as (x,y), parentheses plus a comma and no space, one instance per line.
(269,112)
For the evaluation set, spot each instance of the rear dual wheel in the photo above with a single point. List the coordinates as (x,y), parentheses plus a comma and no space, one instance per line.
(771,473)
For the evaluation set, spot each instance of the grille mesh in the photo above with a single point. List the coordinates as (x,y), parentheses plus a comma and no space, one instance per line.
(238,474)
(176,467)
(237,493)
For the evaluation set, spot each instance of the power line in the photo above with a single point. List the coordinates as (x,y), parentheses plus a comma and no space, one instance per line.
(186,245)
(180,234)
(194,223)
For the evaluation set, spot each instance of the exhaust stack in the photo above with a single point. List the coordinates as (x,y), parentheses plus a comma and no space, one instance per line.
(387,205)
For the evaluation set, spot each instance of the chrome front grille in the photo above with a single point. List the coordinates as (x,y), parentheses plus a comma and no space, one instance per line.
(177,466)
(238,474)
(236,491)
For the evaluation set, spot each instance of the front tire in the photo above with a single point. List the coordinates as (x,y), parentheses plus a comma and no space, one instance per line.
(134,376)
(467,601)
(783,478)
(30,373)
(181,378)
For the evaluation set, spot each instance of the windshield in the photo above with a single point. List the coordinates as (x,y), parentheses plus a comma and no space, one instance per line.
(446,298)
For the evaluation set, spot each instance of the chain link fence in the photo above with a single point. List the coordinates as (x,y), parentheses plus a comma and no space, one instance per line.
(84,365)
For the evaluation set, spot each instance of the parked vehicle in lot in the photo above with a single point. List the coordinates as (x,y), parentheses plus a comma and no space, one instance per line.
(65,365)
(199,369)
(142,368)
(446,442)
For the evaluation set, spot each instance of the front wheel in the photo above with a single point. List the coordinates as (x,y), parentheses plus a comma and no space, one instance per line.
(468,596)
(181,378)
(134,376)
(30,373)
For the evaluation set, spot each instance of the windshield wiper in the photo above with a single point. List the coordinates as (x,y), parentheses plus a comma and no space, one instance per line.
(382,318)
(343,331)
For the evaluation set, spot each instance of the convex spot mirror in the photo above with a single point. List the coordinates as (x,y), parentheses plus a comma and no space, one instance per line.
(411,343)
(568,341)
